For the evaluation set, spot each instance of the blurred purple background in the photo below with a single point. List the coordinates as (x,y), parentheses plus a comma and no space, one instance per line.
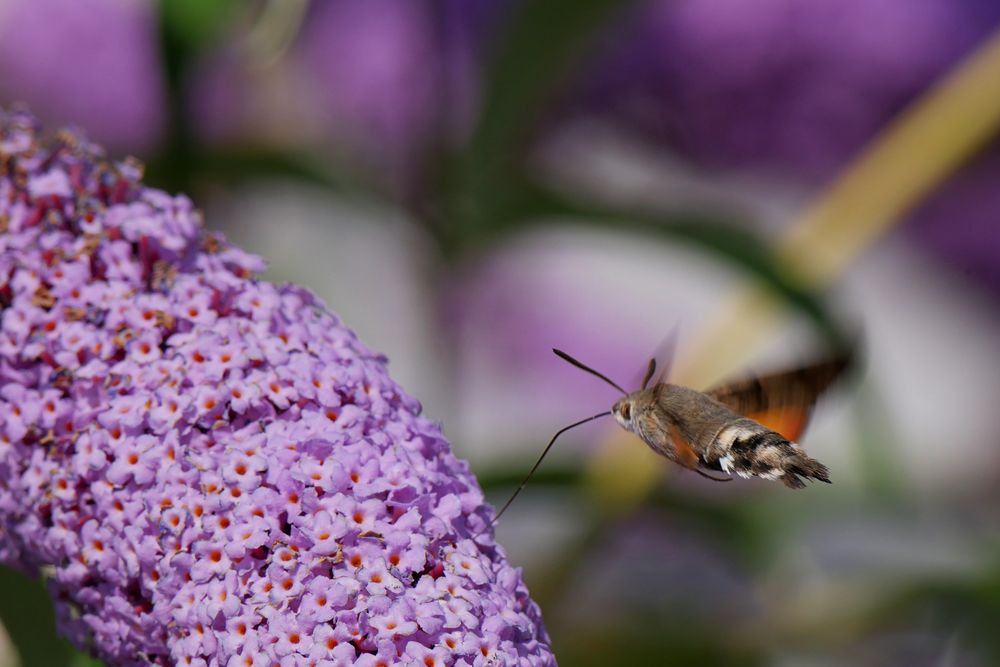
(314,134)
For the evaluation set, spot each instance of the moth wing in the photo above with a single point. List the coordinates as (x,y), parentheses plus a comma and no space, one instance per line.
(663,436)
(662,361)
(685,416)
(685,453)
(665,354)
(783,402)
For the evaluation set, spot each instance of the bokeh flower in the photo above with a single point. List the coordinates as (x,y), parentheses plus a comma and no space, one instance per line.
(211,469)
(795,88)
(958,223)
(379,84)
(376,70)
(96,64)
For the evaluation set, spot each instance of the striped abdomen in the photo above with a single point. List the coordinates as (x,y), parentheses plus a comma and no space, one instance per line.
(749,449)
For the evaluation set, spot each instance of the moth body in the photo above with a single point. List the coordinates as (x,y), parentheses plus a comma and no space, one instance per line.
(698,432)
(720,429)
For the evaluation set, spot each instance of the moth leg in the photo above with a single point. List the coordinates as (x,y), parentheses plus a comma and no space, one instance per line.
(712,477)
(687,457)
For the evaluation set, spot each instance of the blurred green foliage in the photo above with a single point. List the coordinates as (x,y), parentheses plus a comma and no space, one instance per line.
(30,621)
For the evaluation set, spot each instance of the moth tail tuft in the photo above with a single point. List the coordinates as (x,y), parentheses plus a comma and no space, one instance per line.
(799,466)
(751,450)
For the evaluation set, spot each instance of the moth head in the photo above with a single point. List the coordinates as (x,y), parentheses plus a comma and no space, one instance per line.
(623,411)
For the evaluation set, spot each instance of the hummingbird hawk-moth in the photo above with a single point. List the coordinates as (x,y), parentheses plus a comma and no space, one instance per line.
(747,428)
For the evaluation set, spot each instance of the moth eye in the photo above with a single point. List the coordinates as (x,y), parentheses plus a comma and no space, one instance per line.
(626,412)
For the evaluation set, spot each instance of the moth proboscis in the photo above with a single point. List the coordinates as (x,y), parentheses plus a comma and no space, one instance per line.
(748,427)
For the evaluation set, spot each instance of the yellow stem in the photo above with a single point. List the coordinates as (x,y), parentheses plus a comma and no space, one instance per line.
(914,155)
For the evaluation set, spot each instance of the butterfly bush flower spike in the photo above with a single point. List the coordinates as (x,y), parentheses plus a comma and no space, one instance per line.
(209,469)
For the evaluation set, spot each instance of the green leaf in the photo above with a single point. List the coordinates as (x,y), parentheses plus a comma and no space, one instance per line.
(500,481)
(541,42)
(239,164)
(27,615)
(195,22)
(80,659)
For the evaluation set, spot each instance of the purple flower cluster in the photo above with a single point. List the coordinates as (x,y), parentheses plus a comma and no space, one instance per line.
(210,469)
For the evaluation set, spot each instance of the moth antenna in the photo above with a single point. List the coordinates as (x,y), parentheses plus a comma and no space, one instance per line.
(649,372)
(539,461)
(712,477)
(565,357)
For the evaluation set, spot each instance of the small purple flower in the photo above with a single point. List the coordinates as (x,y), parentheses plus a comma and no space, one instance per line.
(214,470)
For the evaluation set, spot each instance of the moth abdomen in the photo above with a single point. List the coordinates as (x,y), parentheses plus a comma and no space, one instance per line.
(749,449)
